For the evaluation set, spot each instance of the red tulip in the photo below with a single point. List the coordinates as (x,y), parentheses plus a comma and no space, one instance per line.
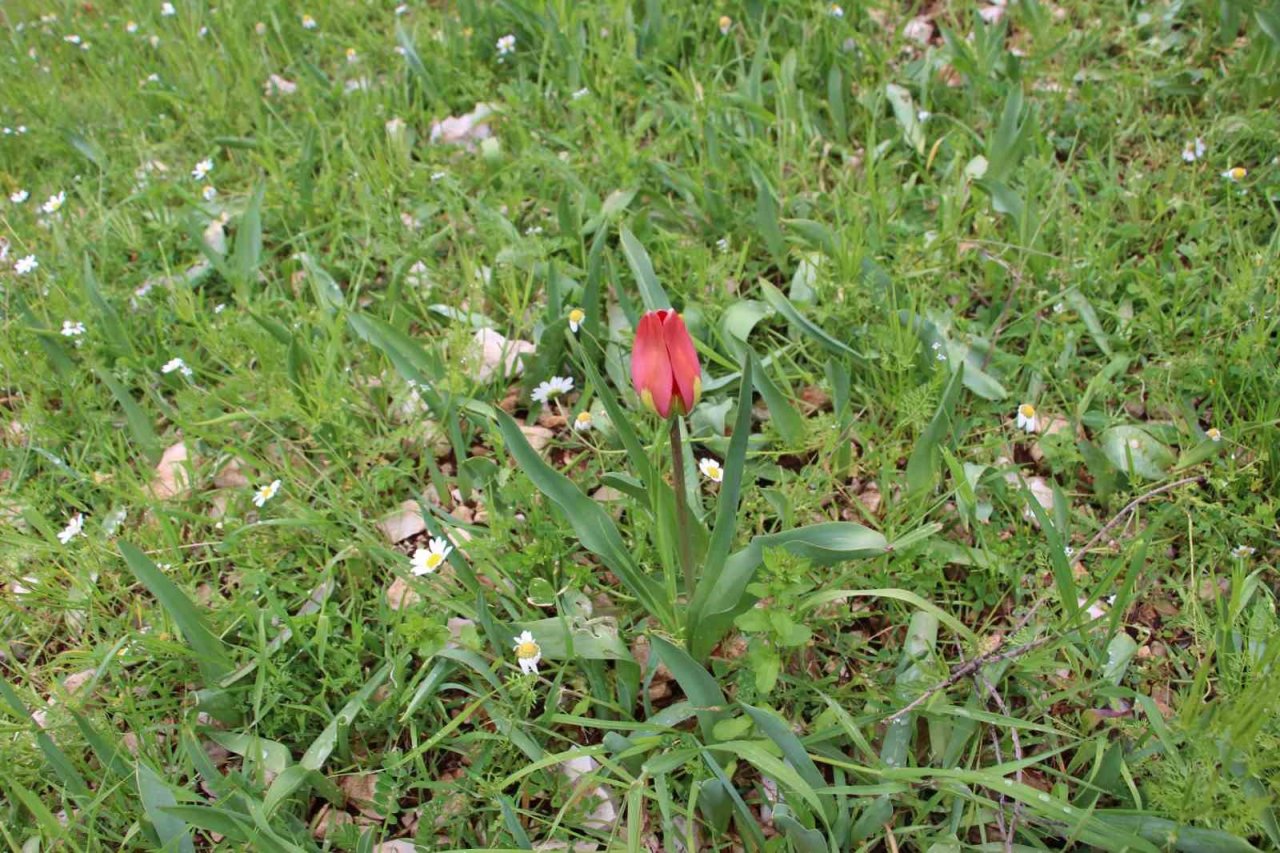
(664,364)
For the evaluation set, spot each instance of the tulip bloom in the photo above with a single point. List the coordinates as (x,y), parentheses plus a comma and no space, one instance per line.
(664,364)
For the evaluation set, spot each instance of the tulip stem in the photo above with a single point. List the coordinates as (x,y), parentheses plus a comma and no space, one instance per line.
(682,508)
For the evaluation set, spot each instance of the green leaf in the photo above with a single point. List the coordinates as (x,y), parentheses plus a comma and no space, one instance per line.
(767,216)
(593,526)
(156,799)
(651,292)
(62,766)
(922,465)
(779,302)
(270,754)
(570,636)
(782,414)
(211,653)
(828,596)
(1133,450)
(248,249)
(107,318)
(904,110)
(779,731)
(702,691)
(1168,835)
(738,320)
(144,435)
(327,293)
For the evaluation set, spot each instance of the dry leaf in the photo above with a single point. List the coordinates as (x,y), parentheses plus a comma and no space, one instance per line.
(328,820)
(401,595)
(399,845)
(918,30)
(172,478)
(277,85)
(538,437)
(465,130)
(407,521)
(497,355)
(361,791)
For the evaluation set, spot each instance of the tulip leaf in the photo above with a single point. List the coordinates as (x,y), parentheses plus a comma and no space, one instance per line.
(780,303)
(651,292)
(702,691)
(1133,450)
(594,527)
(922,466)
(782,414)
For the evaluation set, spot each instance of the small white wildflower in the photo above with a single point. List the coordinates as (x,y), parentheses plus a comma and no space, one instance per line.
(71,39)
(131,26)
(1243,551)
(19,196)
(533,231)
(402,9)
(220,307)
(1068,552)
(723,245)
(262,494)
(167,10)
(154,41)
(55,202)
(1026,418)
(260,28)
(1213,434)
(506,45)
(438,176)
(25,265)
(1235,174)
(552,388)
(583,422)
(711,469)
(923,115)
(1193,150)
(309,23)
(202,169)
(178,365)
(209,193)
(528,653)
(352,56)
(73,529)
(580,93)
(576,317)
(427,560)
(725,23)
(72,330)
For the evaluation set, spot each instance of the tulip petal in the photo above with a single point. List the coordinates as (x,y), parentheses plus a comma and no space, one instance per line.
(650,368)
(686,372)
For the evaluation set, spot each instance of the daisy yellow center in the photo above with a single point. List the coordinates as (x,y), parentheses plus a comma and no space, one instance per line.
(713,471)
(265,492)
(527,650)
(1213,433)
(725,21)
(577,315)
(1027,410)
(584,417)
(434,559)
(1238,172)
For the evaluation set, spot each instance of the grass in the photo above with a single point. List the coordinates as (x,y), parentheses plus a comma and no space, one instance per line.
(908,238)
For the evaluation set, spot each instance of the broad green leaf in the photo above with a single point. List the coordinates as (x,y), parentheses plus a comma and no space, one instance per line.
(589,639)
(904,110)
(593,526)
(782,414)
(211,653)
(248,248)
(1133,450)
(779,731)
(651,292)
(779,302)
(699,687)
(922,465)
(144,435)
(107,318)
(327,293)
(270,754)
(156,799)
(738,320)
(905,596)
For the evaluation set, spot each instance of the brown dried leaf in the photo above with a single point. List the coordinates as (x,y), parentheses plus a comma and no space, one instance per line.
(538,437)
(406,521)
(361,791)
(495,355)
(173,477)
(401,595)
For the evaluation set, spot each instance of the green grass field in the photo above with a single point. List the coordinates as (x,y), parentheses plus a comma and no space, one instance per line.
(981,490)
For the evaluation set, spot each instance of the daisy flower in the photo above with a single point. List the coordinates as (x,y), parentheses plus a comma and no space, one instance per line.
(1213,434)
(723,245)
(427,560)
(202,169)
(506,45)
(72,330)
(54,204)
(836,10)
(25,265)
(352,56)
(176,364)
(209,193)
(576,316)
(308,22)
(1242,551)
(711,469)
(1026,418)
(583,422)
(580,93)
(725,23)
(19,196)
(1193,150)
(1235,174)
(552,388)
(167,10)
(528,653)
(131,27)
(262,494)
(73,529)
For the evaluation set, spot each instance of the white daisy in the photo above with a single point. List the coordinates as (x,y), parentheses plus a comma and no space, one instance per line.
(352,56)
(309,23)
(260,28)
(25,265)
(131,26)
(262,494)
(1026,418)
(202,169)
(725,23)
(552,388)
(167,10)
(583,422)
(528,653)
(711,469)
(176,364)
(71,39)
(54,204)
(72,330)
(506,45)
(73,529)
(427,560)
(19,196)
(836,10)
(209,193)
(1235,174)
(1242,551)
(1213,434)
(1194,150)
(581,93)
(576,316)
(723,245)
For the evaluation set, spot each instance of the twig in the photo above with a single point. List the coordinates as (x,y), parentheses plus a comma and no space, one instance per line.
(967,668)
(1017,754)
